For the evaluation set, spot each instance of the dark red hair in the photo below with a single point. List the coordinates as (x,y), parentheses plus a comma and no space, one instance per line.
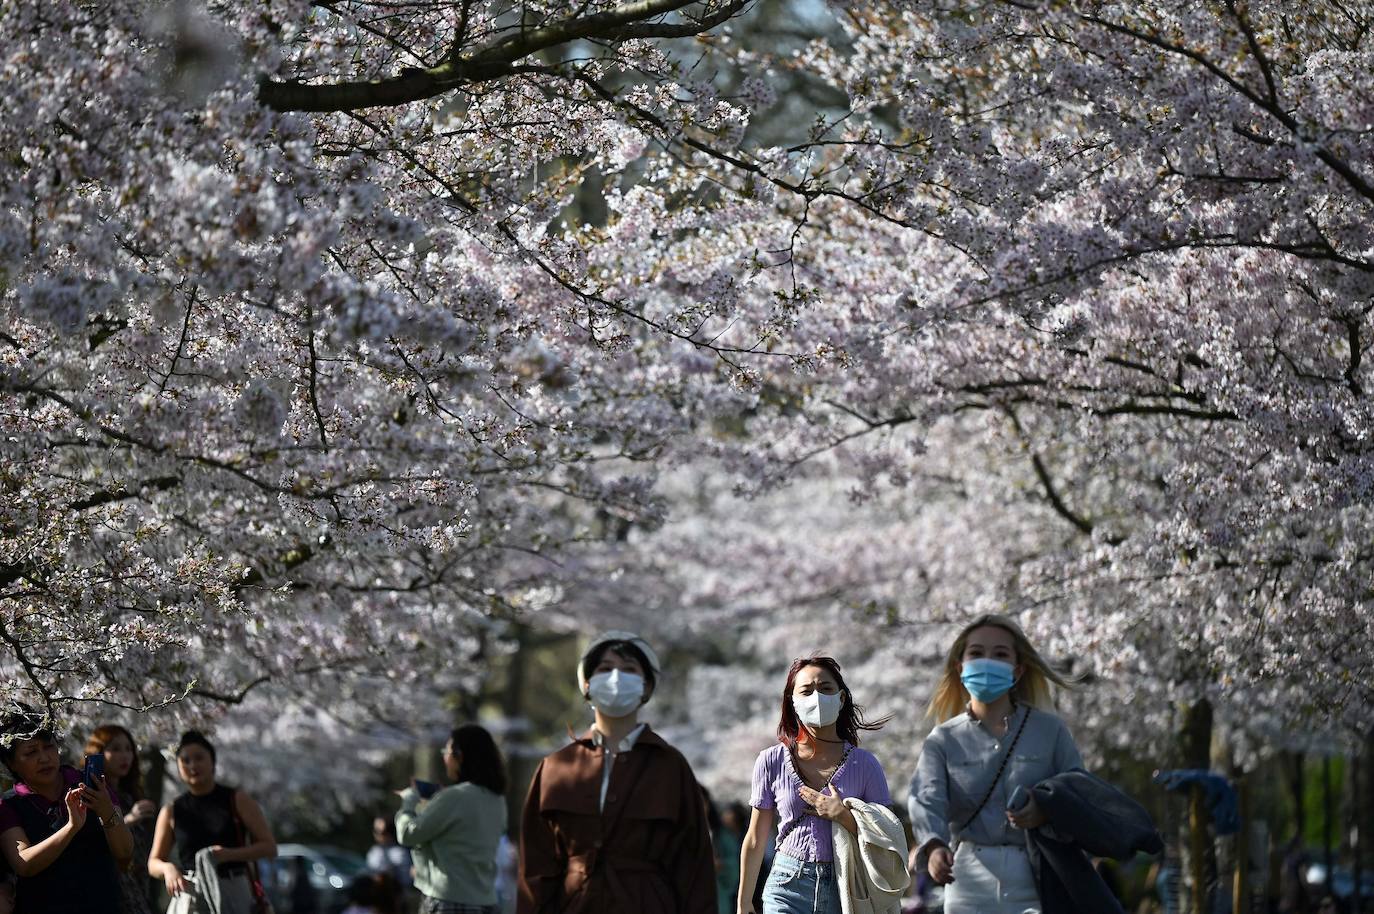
(851,719)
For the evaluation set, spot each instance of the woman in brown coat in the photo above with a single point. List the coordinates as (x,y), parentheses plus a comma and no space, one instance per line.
(615,822)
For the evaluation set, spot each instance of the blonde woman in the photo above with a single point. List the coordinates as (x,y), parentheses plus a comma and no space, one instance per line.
(996,730)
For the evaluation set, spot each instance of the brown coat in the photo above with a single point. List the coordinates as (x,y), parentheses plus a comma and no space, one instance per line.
(648,853)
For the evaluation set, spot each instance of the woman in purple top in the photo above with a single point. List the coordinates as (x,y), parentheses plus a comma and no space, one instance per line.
(802,783)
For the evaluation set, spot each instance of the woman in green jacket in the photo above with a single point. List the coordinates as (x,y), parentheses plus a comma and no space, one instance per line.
(453,834)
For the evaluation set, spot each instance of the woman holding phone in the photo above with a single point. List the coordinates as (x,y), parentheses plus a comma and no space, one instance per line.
(65,839)
(212,832)
(615,822)
(996,731)
(453,832)
(801,783)
(122,769)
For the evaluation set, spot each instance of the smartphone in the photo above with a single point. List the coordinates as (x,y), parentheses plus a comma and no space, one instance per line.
(94,770)
(1018,799)
(426,789)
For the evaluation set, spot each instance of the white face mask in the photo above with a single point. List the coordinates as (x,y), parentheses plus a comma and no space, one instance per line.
(616,693)
(818,709)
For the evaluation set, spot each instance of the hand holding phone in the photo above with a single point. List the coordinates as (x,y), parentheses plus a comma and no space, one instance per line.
(425,789)
(1018,799)
(95,793)
(93,771)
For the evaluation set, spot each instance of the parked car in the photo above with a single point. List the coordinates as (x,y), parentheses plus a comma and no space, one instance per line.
(1342,881)
(310,878)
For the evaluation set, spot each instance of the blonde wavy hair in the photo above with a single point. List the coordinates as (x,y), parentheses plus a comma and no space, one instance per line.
(1033,688)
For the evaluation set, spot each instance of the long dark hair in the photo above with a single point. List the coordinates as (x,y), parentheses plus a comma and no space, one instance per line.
(481,763)
(131,785)
(851,719)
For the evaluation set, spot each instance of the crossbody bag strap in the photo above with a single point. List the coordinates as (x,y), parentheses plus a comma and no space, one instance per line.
(242,828)
(1006,757)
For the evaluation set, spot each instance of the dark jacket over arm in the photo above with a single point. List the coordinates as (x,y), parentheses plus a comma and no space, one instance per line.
(1086,816)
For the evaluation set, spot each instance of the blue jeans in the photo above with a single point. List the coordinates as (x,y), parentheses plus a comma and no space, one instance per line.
(797,887)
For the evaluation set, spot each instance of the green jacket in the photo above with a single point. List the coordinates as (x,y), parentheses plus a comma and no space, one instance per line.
(453,838)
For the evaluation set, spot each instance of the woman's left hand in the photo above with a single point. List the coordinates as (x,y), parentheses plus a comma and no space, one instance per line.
(827,805)
(1029,816)
(99,800)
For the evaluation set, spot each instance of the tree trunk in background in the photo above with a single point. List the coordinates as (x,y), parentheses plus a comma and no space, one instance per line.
(154,782)
(1362,807)
(1357,834)
(426,763)
(1299,797)
(1195,749)
(1240,900)
(1328,823)
(519,769)
(1296,785)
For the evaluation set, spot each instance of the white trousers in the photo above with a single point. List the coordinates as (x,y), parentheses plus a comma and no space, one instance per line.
(991,879)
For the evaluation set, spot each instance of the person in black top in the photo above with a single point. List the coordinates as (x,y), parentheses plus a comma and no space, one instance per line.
(65,840)
(208,835)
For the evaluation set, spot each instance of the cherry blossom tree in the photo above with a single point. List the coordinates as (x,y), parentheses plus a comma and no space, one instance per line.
(338,335)
(301,410)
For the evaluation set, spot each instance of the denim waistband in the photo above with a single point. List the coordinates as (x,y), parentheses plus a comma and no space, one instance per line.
(819,867)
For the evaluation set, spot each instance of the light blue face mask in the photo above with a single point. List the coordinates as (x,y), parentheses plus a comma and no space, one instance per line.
(986,679)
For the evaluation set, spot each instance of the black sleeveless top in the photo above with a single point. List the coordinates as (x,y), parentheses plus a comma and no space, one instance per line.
(201,822)
(83,880)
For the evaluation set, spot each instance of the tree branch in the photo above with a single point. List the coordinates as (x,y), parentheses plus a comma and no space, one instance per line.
(292,558)
(498,59)
(30,670)
(226,698)
(1061,508)
(157,484)
(1082,524)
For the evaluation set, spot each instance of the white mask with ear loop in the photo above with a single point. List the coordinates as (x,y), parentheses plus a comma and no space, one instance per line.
(818,709)
(616,693)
